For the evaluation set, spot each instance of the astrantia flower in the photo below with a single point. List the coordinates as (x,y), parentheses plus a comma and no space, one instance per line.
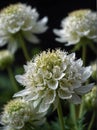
(17,113)
(79,24)
(6,59)
(53,75)
(20,18)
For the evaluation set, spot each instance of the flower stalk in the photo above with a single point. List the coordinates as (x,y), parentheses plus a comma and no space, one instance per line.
(12,79)
(60,115)
(73,115)
(24,49)
(92,120)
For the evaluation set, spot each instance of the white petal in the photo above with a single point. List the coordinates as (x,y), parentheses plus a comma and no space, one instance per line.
(76,84)
(36,103)
(57,73)
(87,73)
(75,99)
(52,84)
(13,30)
(40,27)
(79,62)
(85,33)
(58,76)
(27,26)
(20,79)
(22,93)
(72,56)
(73,41)
(50,97)
(43,107)
(61,40)
(12,46)
(84,89)
(30,37)
(64,85)
(3,41)
(64,94)
(31,96)
(59,32)
(47,74)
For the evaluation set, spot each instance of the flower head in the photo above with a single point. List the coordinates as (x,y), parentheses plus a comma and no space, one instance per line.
(6,59)
(18,112)
(53,75)
(20,18)
(79,24)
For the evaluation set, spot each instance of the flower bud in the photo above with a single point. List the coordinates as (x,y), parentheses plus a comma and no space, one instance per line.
(6,59)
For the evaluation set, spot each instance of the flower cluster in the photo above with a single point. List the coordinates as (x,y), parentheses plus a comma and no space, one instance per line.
(20,18)
(79,24)
(18,112)
(52,75)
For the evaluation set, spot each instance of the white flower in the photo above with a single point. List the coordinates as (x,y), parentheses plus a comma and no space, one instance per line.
(20,18)
(79,24)
(18,112)
(53,75)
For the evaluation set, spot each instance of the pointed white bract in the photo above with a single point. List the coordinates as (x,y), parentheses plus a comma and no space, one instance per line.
(52,75)
(20,18)
(79,24)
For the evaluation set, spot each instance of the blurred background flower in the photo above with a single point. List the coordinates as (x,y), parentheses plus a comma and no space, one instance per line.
(20,19)
(19,114)
(79,24)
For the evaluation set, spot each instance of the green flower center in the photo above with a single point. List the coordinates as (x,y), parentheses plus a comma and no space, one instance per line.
(14,106)
(79,13)
(48,60)
(12,9)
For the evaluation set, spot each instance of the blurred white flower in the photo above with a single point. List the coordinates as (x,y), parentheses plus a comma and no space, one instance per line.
(79,24)
(20,18)
(53,75)
(18,112)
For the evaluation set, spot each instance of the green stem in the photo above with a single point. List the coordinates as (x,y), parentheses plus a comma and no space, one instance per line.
(73,115)
(93,48)
(81,109)
(84,54)
(21,40)
(84,60)
(12,79)
(92,120)
(60,115)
